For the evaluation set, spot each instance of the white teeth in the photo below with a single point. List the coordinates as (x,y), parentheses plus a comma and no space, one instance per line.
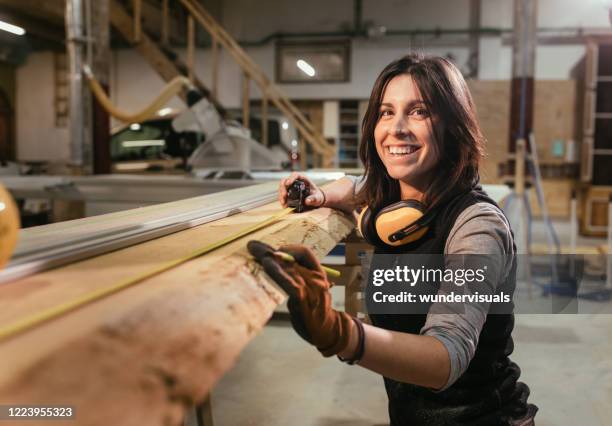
(402,150)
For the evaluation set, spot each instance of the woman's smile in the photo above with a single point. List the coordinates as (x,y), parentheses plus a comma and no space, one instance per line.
(401,151)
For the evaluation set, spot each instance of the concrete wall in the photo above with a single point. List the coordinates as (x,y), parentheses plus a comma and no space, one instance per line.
(134,83)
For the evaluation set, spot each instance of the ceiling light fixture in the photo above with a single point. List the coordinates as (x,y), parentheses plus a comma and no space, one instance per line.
(164,111)
(14,29)
(306,67)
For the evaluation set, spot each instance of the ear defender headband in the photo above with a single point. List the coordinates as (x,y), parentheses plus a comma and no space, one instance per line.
(400,223)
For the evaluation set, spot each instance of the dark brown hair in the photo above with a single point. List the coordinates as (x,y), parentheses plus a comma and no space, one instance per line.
(457,133)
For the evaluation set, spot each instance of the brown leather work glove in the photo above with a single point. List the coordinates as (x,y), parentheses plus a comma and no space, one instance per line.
(309,301)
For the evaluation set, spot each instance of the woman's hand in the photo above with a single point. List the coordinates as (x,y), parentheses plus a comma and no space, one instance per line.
(309,302)
(315,198)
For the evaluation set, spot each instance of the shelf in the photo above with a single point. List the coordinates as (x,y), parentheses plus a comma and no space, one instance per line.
(349,133)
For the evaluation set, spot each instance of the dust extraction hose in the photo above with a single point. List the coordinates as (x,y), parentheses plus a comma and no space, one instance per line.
(170,90)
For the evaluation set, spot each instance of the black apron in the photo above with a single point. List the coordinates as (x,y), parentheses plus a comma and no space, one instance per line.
(488,392)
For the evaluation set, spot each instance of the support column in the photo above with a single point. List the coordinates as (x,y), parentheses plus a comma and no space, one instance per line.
(523,69)
(74,49)
(474,57)
(101,68)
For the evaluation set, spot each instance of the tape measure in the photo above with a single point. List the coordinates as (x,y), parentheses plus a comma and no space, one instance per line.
(56,311)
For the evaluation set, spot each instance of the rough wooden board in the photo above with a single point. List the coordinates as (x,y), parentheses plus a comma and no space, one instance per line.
(144,355)
(492,99)
(554,118)
(557,196)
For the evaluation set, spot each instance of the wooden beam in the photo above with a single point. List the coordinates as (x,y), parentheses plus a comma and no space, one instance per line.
(245,100)
(137,20)
(190,47)
(264,119)
(215,67)
(303,153)
(519,173)
(143,355)
(165,39)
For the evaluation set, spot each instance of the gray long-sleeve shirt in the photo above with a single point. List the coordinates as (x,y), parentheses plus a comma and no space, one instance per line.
(479,229)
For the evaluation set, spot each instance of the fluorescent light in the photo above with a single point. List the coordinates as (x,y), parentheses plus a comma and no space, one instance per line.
(5,26)
(2,206)
(137,144)
(306,67)
(285,125)
(131,166)
(164,111)
(135,127)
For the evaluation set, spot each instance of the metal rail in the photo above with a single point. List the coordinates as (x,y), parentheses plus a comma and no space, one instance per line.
(50,246)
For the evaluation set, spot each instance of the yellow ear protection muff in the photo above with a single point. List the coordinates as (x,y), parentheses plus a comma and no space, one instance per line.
(400,223)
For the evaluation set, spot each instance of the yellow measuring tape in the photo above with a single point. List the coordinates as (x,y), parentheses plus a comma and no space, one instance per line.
(56,311)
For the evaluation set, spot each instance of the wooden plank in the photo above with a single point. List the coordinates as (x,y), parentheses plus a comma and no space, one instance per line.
(554,116)
(554,119)
(165,39)
(215,67)
(190,47)
(144,355)
(594,210)
(137,20)
(264,119)
(541,249)
(557,196)
(245,100)
(492,99)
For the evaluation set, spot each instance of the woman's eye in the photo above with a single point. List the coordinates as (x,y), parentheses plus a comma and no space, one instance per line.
(386,112)
(420,112)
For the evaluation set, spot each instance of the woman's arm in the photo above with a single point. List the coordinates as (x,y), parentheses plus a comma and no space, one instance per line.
(339,195)
(410,358)
(442,352)
(421,360)
(446,345)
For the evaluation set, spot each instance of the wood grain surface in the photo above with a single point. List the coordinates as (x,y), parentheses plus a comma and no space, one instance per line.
(147,353)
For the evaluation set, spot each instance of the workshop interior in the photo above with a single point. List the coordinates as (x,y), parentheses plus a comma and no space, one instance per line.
(142,147)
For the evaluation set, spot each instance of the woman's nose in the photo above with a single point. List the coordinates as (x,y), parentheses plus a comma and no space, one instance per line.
(399,126)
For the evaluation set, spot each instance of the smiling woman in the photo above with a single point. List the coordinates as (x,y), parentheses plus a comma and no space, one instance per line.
(421,146)
(423,106)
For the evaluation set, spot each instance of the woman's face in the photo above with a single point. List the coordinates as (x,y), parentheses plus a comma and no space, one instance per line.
(404,135)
